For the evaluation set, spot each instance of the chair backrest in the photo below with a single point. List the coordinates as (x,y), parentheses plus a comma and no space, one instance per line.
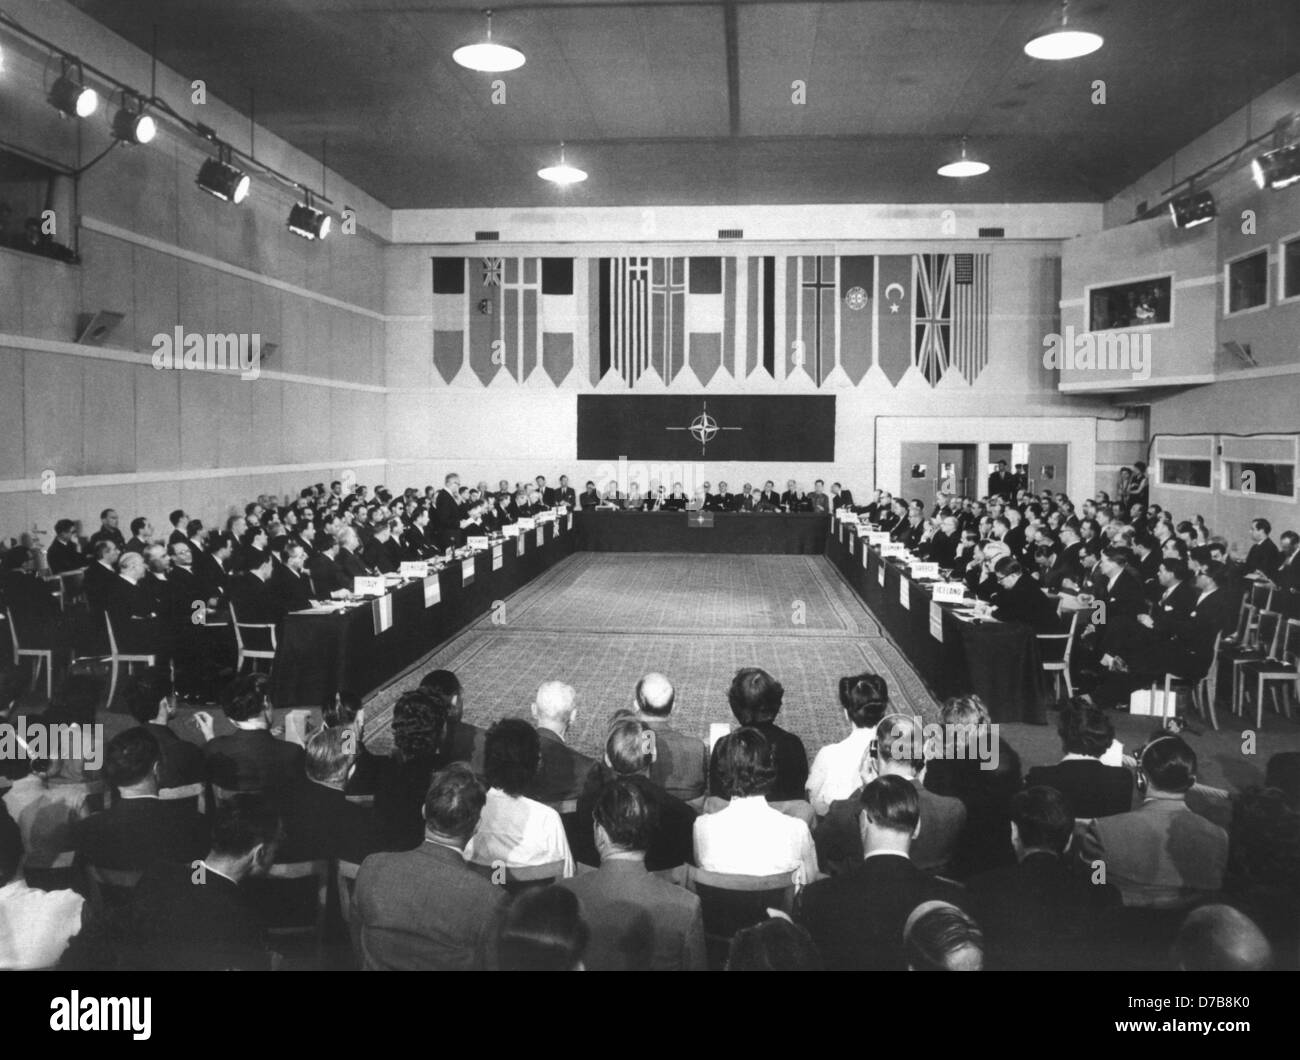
(566,806)
(297,870)
(1213,672)
(1245,621)
(1290,640)
(112,637)
(730,903)
(345,876)
(13,632)
(234,622)
(186,791)
(552,870)
(1270,632)
(220,794)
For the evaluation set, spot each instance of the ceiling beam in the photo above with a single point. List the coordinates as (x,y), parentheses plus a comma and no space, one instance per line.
(733,65)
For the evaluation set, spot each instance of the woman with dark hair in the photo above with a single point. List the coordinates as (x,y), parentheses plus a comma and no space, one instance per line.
(749,837)
(836,769)
(939,937)
(402,780)
(514,829)
(1093,786)
(774,945)
(755,699)
(543,931)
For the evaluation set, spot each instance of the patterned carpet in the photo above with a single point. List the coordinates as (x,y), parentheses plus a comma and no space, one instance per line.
(600,620)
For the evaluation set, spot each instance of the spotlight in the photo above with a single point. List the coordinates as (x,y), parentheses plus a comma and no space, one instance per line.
(70,97)
(1059,40)
(1193,208)
(489,57)
(218,177)
(307,221)
(1278,168)
(132,126)
(562,173)
(963,166)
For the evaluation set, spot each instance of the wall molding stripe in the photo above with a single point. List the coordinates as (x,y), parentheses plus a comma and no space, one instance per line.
(134,478)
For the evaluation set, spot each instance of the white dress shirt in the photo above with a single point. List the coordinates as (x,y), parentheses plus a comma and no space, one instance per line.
(518,831)
(749,838)
(837,770)
(35,925)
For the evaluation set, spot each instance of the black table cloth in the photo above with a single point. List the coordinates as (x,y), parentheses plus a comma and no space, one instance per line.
(736,533)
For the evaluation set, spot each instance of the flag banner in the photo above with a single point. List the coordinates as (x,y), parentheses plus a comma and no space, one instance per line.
(559,315)
(432,590)
(761,316)
(857,306)
(498,558)
(668,316)
(381,611)
(711,316)
(486,301)
(726,427)
(518,331)
(894,315)
(467,571)
(970,314)
(450,320)
(625,317)
(933,321)
(811,318)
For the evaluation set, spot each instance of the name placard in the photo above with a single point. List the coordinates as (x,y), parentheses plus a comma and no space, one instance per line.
(527,522)
(467,570)
(497,558)
(432,590)
(521,544)
(510,530)
(925,570)
(478,543)
(414,568)
(893,548)
(878,538)
(368,586)
(537,537)
(949,592)
(936,621)
(905,593)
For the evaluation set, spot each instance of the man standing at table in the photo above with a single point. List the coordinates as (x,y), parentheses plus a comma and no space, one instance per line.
(818,498)
(565,493)
(446,513)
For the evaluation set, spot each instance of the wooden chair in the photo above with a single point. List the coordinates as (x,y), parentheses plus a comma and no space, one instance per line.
(1060,668)
(1261,597)
(730,903)
(345,877)
(1278,667)
(116,657)
(187,791)
(519,878)
(242,651)
(42,656)
(319,871)
(1267,637)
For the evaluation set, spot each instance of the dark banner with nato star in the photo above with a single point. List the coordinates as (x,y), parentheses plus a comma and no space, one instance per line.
(726,427)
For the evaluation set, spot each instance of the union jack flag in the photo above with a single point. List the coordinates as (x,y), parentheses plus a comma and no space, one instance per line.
(932,324)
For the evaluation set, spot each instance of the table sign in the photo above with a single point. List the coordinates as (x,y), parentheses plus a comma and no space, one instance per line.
(926,570)
(521,544)
(510,530)
(537,537)
(467,571)
(949,591)
(936,621)
(878,537)
(367,586)
(905,592)
(432,590)
(477,543)
(893,548)
(497,559)
(527,522)
(414,568)
(381,611)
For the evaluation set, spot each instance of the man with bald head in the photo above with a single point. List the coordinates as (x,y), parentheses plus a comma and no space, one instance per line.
(681,765)
(1219,938)
(563,770)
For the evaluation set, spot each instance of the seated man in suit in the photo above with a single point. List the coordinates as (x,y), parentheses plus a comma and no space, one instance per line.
(1020,599)
(745,500)
(1263,556)
(942,546)
(416,542)
(792,500)
(897,750)
(857,918)
(250,758)
(179,521)
(129,605)
(563,769)
(656,499)
(319,821)
(427,908)
(611,498)
(349,556)
(819,500)
(681,762)
(1042,913)
(677,499)
(327,576)
(141,535)
(564,494)
(589,498)
(255,602)
(638,922)
(139,828)
(462,742)
(840,498)
(200,917)
(1161,855)
(290,583)
(717,502)
(769,500)
(1090,787)
(63,553)
(108,530)
(99,575)
(629,755)
(382,553)
(152,701)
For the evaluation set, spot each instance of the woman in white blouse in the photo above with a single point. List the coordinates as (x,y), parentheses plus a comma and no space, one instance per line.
(835,771)
(748,837)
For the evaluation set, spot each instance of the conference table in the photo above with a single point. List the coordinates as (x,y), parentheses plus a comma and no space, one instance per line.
(737,533)
(999,661)
(372,641)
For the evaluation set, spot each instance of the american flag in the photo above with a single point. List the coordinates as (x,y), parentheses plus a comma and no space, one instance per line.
(970,314)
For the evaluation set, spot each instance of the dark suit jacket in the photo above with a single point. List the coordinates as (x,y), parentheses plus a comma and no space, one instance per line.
(400,788)
(1179,602)
(446,520)
(212,575)
(352,565)
(856,919)
(326,575)
(254,600)
(1263,557)
(382,556)
(942,549)
(103,534)
(838,836)
(794,499)
(130,606)
(673,840)
(177,537)
(182,761)
(64,555)
(253,760)
(425,909)
(320,823)
(1042,914)
(563,771)
(134,833)
(181,924)
(717,502)
(134,544)
(1026,602)
(187,589)
(292,592)
(589,498)
(843,499)
(416,544)
(789,756)
(1090,788)
(638,921)
(96,583)
(681,765)
(565,495)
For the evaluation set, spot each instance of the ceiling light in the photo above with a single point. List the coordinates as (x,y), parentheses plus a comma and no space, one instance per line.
(562,173)
(489,57)
(963,166)
(1193,208)
(70,97)
(1061,40)
(307,221)
(131,125)
(1278,168)
(218,177)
